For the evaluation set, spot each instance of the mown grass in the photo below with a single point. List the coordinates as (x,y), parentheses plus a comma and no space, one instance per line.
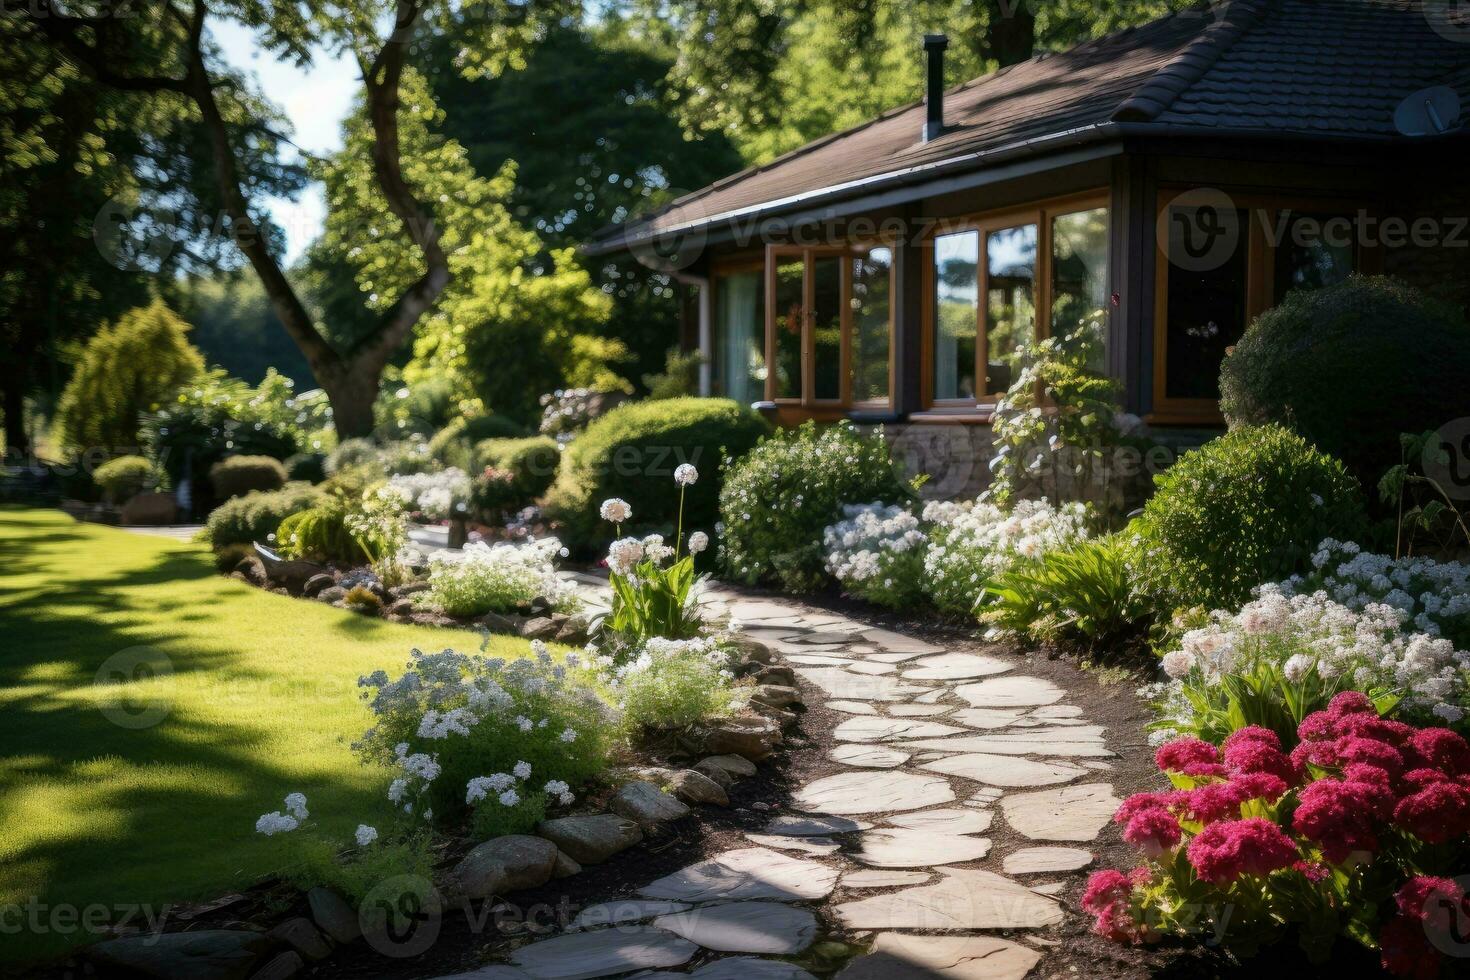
(145,791)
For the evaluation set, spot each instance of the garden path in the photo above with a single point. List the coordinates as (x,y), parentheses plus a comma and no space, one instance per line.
(938,749)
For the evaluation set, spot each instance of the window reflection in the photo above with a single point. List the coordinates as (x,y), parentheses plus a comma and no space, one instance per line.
(956,307)
(871,286)
(1010,301)
(738,355)
(790,314)
(1079,275)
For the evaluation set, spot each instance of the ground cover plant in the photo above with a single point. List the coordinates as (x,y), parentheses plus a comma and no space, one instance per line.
(877,553)
(501,577)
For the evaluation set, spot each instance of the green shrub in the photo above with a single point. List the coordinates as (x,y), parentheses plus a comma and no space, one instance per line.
(308,467)
(319,534)
(1084,595)
(454,445)
(1242,510)
(632,452)
(236,476)
(127,369)
(256,516)
(675,683)
(1350,367)
(531,461)
(407,457)
(125,477)
(780,498)
(350,453)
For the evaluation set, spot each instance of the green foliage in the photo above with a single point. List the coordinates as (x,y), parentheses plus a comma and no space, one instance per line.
(236,476)
(501,578)
(352,453)
(454,444)
(531,462)
(655,600)
(317,862)
(1085,595)
(236,328)
(680,375)
(125,370)
(319,534)
(307,467)
(415,411)
(1242,510)
(780,498)
(362,597)
(125,477)
(672,685)
(1349,368)
(1424,507)
(632,452)
(256,516)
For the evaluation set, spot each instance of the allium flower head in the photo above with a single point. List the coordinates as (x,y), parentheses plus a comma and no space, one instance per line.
(615,510)
(698,541)
(685,474)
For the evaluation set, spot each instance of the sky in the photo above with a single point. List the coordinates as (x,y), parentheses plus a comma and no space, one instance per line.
(315,99)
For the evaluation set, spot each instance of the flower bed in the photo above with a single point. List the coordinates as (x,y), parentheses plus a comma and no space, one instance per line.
(877,553)
(502,577)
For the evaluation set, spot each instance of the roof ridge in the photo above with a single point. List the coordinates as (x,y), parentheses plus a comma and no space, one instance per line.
(1191,63)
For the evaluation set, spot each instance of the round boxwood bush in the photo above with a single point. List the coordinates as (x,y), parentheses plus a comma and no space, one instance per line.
(125,477)
(319,534)
(779,499)
(1350,367)
(310,467)
(532,462)
(454,445)
(256,516)
(632,452)
(236,476)
(350,453)
(1242,510)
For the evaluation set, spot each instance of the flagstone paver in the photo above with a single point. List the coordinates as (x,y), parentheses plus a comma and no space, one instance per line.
(897,956)
(868,756)
(1006,692)
(962,899)
(1004,770)
(745,927)
(1034,860)
(607,952)
(945,821)
(954,667)
(852,793)
(882,878)
(750,873)
(868,729)
(904,848)
(805,845)
(1072,813)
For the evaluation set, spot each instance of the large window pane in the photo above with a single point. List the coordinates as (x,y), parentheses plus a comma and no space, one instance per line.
(871,287)
(1079,274)
(1010,291)
(956,305)
(1207,306)
(1315,250)
(738,362)
(827,328)
(790,314)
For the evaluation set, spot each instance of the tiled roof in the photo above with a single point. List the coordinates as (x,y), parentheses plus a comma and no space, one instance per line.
(1325,68)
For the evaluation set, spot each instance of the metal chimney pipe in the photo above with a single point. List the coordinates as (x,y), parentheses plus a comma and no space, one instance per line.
(934,45)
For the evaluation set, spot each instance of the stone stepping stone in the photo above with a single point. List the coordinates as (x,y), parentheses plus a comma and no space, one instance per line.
(608,952)
(823,637)
(853,793)
(1095,764)
(868,729)
(787,826)
(868,667)
(932,697)
(886,658)
(745,927)
(1009,745)
(853,707)
(896,956)
(750,610)
(903,848)
(623,912)
(986,718)
(1011,692)
(738,968)
(1072,813)
(838,683)
(1035,860)
(948,821)
(898,643)
(820,846)
(961,899)
(955,667)
(868,756)
(817,660)
(883,879)
(919,710)
(749,873)
(986,795)
(1057,711)
(1050,888)
(1004,770)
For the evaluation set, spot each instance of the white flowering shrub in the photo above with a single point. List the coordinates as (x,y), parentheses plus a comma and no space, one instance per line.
(1433,596)
(483,578)
(673,683)
(974,542)
(877,553)
(437,496)
(1282,656)
(503,739)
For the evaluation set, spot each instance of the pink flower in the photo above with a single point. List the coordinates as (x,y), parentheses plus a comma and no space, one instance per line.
(1205,770)
(1375,787)
(1109,900)
(1215,801)
(1437,813)
(1416,779)
(1338,817)
(1442,749)
(1395,733)
(1174,756)
(1313,871)
(1249,757)
(1139,802)
(1253,734)
(1154,832)
(1351,703)
(1224,851)
(1317,727)
(1258,786)
(1320,754)
(1352,748)
(1407,951)
(1431,900)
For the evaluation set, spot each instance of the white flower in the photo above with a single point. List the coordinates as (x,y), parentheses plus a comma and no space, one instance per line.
(524,724)
(1448,712)
(1177,664)
(396,789)
(623,555)
(615,510)
(366,835)
(509,798)
(685,474)
(522,770)
(1297,667)
(296,806)
(556,787)
(698,541)
(274,823)
(569,735)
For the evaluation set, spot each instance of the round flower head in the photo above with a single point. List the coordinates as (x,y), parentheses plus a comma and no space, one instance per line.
(1443,750)
(698,541)
(1154,832)
(685,474)
(1224,851)
(1175,756)
(366,835)
(616,510)
(296,805)
(624,554)
(1436,814)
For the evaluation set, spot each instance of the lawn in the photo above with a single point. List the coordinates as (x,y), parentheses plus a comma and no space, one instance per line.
(147,791)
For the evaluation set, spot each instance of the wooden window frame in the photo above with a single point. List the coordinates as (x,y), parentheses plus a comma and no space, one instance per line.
(1041,214)
(774,255)
(1260,277)
(727,267)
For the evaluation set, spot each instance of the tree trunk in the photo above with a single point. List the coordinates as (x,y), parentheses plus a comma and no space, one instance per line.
(17,443)
(352,393)
(1012,34)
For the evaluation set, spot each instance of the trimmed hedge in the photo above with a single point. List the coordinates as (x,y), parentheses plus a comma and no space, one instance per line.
(1242,510)
(319,534)
(239,475)
(256,516)
(311,467)
(532,462)
(455,444)
(632,451)
(125,477)
(1349,368)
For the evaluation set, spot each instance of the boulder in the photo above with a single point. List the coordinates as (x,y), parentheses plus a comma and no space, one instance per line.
(332,593)
(750,738)
(333,915)
(408,589)
(752,651)
(565,866)
(736,766)
(721,777)
(498,623)
(573,632)
(540,628)
(401,608)
(783,676)
(290,572)
(281,967)
(777,695)
(591,839)
(209,954)
(317,584)
(302,936)
(505,864)
(696,787)
(252,570)
(647,805)
(149,510)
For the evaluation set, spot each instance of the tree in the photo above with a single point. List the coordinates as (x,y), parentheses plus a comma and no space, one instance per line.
(127,369)
(168,56)
(235,328)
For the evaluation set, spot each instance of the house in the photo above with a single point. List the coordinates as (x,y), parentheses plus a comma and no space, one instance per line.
(1180,177)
